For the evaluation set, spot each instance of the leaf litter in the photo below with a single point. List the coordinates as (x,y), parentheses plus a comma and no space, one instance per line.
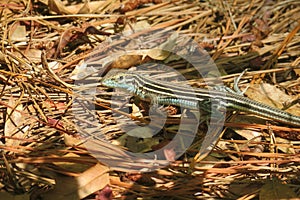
(43,45)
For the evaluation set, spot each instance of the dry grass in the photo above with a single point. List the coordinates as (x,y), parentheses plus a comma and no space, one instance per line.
(41,44)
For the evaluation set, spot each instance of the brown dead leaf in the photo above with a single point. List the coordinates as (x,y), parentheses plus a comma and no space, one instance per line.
(18,32)
(8,196)
(263,27)
(58,7)
(2,58)
(163,51)
(14,120)
(157,54)
(34,54)
(249,134)
(273,96)
(127,61)
(135,27)
(82,71)
(133,4)
(55,123)
(243,188)
(297,71)
(170,154)
(142,179)
(65,39)
(71,140)
(136,111)
(72,167)
(90,181)
(285,149)
(140,145)
(75,36)
(275,190)
(85,9)
(54,105)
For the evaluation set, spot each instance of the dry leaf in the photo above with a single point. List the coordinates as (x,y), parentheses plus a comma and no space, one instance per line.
(66,38)
(2,58)
(55,123)
(72,166)
(244,187)
(141,132)
(8,196)
(133,4)
(297,71)
(34,54)
(275,190)
(164,50)
(248,133)
(140,145)
(144,179)
(90,181)
(19,33)
(127,61)
(13,123)
(58,7)
(284,149)
(157,54)
(170,154)
(71,140)
(136,27)
(136,112)
(82,71)
(273,96)
(85,9)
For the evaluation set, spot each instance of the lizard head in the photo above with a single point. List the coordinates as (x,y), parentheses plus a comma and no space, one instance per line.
(119,79)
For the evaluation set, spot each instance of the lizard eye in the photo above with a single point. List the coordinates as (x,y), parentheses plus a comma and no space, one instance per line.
(120,78)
